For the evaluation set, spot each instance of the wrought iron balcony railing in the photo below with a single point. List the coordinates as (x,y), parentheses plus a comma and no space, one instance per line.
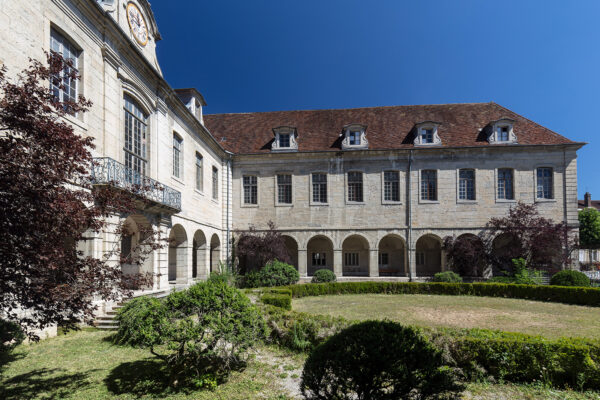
(106,171)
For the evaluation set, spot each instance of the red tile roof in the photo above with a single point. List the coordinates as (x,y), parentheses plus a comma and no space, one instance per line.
(387,127)
(595,204)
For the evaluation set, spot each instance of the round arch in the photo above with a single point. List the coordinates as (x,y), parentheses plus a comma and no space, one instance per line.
(319,254)
(177,253)
(392,255)
(199,254)
(355,256)
(136,257)
(428,255)
(291,244)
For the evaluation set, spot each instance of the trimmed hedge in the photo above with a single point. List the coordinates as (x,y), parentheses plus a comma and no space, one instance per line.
(281,300)
(556,294)
(447,276)
(570,278)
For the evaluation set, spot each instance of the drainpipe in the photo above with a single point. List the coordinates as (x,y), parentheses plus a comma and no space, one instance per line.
(409,216)
(227,208)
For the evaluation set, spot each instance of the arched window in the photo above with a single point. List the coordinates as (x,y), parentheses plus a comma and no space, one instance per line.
(135,139)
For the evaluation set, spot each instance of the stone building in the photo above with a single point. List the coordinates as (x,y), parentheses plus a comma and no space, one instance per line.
(589,258)
(365,192)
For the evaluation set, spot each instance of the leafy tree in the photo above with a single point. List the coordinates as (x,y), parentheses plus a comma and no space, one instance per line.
(589,228)
(48,203)
(255,249)
(541,242)
(467,254)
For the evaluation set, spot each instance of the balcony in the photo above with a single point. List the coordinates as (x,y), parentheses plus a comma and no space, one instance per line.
(106,171)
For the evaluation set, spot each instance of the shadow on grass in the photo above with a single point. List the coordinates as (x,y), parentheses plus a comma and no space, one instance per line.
(139,378)
(49,383)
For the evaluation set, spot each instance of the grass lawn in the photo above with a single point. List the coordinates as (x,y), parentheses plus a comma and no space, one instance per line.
(548,319)
(85,365)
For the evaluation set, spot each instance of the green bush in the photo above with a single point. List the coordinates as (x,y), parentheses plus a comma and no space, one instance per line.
(322,276)
(275,273)
(447,276)
(11,335)
(570,278)
(203,332)
(377,360)
(557,294)
(278,300)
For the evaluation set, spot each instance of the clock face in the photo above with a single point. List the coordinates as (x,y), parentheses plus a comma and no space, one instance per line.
(137,24)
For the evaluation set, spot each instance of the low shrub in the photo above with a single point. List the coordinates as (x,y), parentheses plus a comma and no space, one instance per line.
(203,332)
(377,360)
(278,300)
(322,276)
(570,278)
(557,294)
(275,273)
(447,276)
(11,335)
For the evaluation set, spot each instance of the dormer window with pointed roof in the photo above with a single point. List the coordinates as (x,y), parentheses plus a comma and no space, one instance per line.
(355,137)
(427,134)
(502,132)
(285,139)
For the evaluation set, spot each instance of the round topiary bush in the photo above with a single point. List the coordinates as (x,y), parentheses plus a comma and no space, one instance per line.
(447,276)
(275,273)
(570,278)
(322,276)
(377,360)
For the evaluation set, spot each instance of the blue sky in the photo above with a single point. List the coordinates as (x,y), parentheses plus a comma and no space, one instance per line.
(539,58)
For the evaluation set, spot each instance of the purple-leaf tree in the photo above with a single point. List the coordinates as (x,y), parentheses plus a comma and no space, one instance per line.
(255,248)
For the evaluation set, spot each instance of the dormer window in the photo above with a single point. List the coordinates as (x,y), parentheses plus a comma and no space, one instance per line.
(285,139)
(502,132)
(355,137)
(427,134)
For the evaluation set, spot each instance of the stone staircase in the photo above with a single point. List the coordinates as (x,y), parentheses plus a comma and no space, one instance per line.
(108,322)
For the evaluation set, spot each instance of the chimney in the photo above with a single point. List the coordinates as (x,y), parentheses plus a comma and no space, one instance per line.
(587,200)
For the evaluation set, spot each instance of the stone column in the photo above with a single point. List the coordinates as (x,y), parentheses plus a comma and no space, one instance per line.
(443,260)
(302,269)
(374,263)
(337,262)
(412,267)
(161,259)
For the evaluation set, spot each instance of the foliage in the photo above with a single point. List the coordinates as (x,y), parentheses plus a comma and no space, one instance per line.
(275,273)
(516,357)
(447,276)
(226,276)
(589,228)
(278,300)
(520,274)
(202,333)
(557,294)
(322,276)
(49,204)
(300,331)
(538,240)
(570,278)
(255,249)
(467,254)
(11,335)
(377,360)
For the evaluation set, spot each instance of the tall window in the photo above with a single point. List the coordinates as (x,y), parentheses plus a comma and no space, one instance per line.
(426,135)
(384,259)
(391,186)
(284,140)
(355,186)
(429,185)
(135,140)
(250,189)
(466,184)
(503,135)
(319,187)
(215,183)
(354,138)
(199,173)
(62,46)
(177,156)
(544,183)
(351,259)
(505,184)
(319,259)
(284,189)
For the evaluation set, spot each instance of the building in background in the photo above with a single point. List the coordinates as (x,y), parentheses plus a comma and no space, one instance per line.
(588,257)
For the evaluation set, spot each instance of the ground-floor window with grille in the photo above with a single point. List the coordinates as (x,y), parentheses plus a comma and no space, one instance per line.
(384,259)
(351,259)
(420,258)
(319,259)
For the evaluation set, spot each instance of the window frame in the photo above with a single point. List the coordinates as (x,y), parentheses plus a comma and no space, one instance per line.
(199,188)
(58,35)
(420,193)
(311,189)
(496,185)
(458,181)
(177,139)
(243,191)
(400,182)
(322,261)
(347,187)
(352,256)
(143,119)
(552,197)
(276,191)
(215,183)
